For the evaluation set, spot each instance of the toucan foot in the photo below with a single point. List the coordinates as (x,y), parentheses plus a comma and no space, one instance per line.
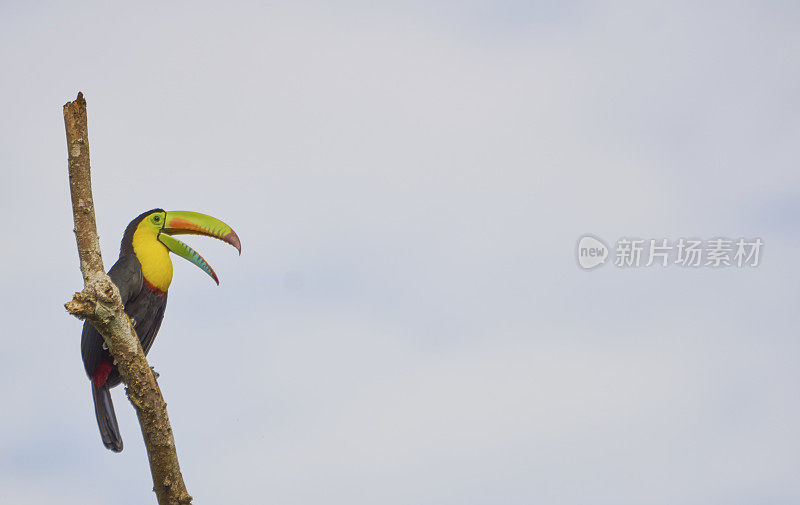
(155,374)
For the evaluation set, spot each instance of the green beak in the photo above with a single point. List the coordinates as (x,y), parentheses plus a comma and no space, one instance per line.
(194,223)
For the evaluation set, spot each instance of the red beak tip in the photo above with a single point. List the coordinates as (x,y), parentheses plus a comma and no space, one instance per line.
(233,239)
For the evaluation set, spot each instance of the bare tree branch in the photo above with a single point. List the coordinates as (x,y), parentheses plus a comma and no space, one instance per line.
(101,305)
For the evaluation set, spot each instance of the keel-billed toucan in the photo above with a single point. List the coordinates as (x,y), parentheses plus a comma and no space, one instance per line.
(143,274)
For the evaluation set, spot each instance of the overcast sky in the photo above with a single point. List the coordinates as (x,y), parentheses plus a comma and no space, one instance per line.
(407,323)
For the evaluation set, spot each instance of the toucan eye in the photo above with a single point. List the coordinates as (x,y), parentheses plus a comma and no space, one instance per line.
(156,219)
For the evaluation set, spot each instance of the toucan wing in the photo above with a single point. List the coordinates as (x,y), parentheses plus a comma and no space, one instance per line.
(127,275)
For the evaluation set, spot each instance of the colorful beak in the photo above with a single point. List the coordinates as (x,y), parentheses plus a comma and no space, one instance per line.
(184,222)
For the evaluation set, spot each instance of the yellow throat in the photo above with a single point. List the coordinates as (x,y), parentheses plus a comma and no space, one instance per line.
(153,255)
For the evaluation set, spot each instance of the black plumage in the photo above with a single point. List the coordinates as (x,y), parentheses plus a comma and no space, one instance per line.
(145,306)
(143,275)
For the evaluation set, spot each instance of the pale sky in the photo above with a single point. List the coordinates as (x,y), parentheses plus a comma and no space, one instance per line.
(407,323)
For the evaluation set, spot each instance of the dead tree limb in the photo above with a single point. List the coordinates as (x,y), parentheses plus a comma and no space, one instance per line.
(101,305)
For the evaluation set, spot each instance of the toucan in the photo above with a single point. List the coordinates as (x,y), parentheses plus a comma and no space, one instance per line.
(143,274)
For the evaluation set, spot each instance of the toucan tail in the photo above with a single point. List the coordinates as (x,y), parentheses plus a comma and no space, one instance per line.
(106,419)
